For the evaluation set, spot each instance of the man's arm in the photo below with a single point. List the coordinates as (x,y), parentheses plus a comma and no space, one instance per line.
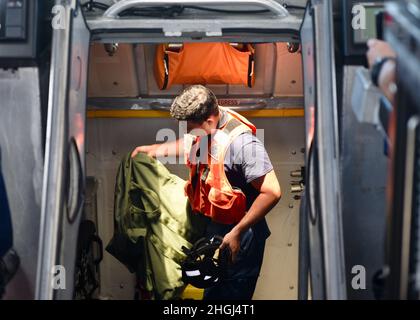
(167,149)
(270,194)
(387,80)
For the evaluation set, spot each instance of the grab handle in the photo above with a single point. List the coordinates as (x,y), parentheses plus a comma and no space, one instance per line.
(122,5)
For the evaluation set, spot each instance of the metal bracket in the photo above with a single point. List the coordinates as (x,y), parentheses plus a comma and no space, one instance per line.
(204,30)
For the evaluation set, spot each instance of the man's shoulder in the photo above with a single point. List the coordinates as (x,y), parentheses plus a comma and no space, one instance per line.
(245,147)
(245,138)
(246,141)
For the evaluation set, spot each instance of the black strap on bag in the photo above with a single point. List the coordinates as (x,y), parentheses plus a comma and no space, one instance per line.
(87,265)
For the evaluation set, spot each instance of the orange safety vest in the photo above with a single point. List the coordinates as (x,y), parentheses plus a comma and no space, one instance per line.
(208,189)
(204,63)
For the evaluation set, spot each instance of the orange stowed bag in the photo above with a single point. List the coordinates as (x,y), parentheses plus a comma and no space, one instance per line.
(204,63)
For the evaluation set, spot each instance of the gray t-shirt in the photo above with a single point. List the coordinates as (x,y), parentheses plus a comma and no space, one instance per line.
(246,160)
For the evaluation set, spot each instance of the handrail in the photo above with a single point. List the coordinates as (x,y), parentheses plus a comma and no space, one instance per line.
(122,5)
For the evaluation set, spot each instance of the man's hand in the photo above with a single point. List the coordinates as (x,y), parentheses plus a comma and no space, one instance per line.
(378,49)
(270,194)
(151,151)
(232,241)
(387,76)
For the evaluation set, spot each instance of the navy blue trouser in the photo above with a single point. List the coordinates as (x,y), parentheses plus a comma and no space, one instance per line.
(5,221)
(243,274)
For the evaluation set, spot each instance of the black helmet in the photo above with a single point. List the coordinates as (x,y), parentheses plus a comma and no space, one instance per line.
(200,268)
